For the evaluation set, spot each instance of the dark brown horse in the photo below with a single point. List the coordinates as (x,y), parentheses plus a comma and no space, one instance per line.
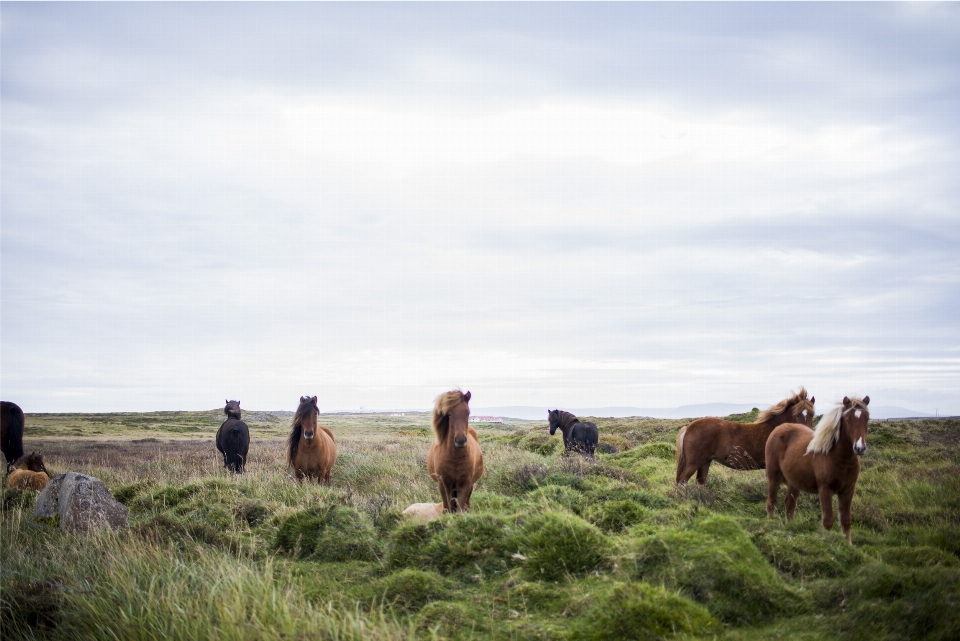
(455,461)
(578,436)
(11,430)
(311,450)
(233,439)
(825,462)
(739,446)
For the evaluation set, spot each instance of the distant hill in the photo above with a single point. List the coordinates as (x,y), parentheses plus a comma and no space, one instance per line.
(529,413)
(892,411)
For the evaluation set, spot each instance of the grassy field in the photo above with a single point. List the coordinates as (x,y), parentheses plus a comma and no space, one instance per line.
(555,547)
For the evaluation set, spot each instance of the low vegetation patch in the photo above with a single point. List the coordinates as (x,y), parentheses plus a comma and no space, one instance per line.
(557,546)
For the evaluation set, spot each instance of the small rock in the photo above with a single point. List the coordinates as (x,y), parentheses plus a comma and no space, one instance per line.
(426,511)
(81,503)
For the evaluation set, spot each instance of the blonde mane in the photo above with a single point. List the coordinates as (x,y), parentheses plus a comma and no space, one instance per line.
(786,404)
(441,409)
(828,429)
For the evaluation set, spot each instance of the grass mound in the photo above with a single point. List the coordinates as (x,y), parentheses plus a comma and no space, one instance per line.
(557,543)
(409,590)
(887,602)
(335,533)
(715,562)
(809,555)
(473,540)
(642,612)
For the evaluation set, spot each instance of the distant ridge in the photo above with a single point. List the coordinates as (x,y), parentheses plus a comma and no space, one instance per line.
(529,413)
(526,412)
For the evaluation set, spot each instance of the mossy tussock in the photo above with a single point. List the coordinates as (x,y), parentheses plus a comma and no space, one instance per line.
(715,563)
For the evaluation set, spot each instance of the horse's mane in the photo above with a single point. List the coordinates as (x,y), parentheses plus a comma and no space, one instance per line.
(786,404)
(567,419)
(296,426)
(828,429)
(441,412)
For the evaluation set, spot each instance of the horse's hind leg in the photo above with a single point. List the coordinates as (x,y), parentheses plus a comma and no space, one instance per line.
(702,473)
(790,501)
(774,479)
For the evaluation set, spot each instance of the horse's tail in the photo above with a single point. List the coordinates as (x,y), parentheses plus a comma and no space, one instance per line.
(681,457)
(233,450)
(14,446)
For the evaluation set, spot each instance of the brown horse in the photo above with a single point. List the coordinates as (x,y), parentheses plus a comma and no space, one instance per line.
(11,430)
(28,473)
(825,462)
(739,446)
(312,451)
(455,461)
(32,462)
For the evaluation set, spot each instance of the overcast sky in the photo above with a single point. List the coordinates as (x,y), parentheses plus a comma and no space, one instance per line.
(548,204)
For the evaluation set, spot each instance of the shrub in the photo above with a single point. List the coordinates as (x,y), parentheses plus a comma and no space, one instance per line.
(918,557)
(449,620)
(642,612)
(543,444)
(555,544)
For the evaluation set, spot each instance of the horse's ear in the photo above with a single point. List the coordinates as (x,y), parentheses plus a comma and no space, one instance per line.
(866,400)
(226,402)
(314,400)
(813,399)
(303,398)
(466,397)
(846,402)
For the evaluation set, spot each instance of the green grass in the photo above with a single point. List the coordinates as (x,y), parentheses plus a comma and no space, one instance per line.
(556,547)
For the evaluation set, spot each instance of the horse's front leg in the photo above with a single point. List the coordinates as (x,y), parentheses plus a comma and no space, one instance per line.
(826,507)
(444,496)
(463,496)
(845,502)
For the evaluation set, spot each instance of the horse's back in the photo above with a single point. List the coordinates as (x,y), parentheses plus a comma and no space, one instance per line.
(11,427)
(27,480)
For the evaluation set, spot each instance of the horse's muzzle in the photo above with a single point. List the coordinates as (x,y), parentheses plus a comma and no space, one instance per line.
(308,435)
(859,447)
(460,441)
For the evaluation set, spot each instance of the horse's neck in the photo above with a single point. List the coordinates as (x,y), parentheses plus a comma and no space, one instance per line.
(567,421)
(843,446)
(774,421)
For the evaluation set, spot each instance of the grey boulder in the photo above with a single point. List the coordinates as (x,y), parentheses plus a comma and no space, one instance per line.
(81,503)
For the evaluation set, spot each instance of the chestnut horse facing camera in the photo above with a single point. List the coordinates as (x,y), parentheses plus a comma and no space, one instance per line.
(739,446)
(825,462)
(455,461)
(311,450)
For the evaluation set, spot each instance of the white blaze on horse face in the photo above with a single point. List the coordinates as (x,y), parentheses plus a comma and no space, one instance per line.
(804,414)
(857,413)
(860,447)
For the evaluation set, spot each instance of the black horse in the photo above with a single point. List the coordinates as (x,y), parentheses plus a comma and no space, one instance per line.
(11,430)
(577,436)
(233,438)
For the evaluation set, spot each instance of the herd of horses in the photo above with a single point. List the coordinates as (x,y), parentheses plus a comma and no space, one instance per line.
(782,441)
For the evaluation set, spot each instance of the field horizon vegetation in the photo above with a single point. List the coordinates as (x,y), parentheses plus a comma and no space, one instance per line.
(555,547)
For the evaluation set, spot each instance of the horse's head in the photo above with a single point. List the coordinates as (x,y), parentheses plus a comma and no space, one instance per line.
(459,417)
(32,461)
(802,411)
(554,417)
(854,421)
(307,415)
(232,409)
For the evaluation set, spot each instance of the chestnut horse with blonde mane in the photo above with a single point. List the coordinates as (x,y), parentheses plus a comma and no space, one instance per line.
(455,461)
(739,446)
(825,462)
(311,450)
